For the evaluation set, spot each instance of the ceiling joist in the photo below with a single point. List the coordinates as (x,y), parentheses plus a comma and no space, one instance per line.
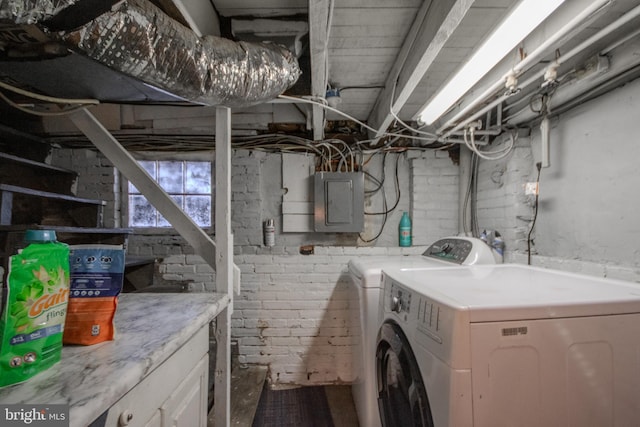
(432,28)
(319,13)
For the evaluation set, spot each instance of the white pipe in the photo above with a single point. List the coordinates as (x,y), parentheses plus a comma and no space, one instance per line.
(620,65)
(620,42)
(626,18)
(545,138)
(494,132)
(529,60)
(464,215)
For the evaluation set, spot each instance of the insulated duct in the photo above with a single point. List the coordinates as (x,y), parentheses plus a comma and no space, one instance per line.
(31,11)
(137,39)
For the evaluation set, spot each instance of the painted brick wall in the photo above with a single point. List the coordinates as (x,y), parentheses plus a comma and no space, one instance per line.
(294,310)
(246,200)
(504,206)
(97,179)
(502,203)
(588,204)
(293,313)
(434,196)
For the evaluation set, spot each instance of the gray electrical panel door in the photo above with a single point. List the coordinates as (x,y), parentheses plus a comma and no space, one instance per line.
(339,201)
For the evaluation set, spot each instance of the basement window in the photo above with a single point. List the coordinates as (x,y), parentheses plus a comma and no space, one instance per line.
(187,182)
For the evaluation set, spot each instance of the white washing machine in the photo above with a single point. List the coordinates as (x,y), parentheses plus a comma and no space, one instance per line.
(366,274)
(508,345)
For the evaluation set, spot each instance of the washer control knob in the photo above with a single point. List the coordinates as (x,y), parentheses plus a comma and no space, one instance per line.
(396,304)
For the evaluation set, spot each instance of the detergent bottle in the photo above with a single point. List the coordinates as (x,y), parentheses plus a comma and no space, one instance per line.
(34,307)
(404,230)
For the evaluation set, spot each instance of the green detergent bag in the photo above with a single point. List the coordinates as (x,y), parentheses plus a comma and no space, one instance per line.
(34,307)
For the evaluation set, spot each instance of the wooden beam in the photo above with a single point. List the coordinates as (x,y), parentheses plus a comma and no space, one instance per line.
(318,21)
(435,23)
(222,378)
(224,238)
(6,207)
(224,266)
(227,274)
(129,167)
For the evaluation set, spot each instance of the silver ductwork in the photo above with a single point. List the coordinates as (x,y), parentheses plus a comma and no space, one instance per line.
(137,39)
(31,11)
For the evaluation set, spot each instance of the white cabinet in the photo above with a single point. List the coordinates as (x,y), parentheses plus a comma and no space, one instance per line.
(187,406)
(173,395)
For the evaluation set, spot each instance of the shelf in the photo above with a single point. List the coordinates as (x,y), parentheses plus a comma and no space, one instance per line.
(22,172)
(23,144)
(49,195)
(20,205)
(12,236)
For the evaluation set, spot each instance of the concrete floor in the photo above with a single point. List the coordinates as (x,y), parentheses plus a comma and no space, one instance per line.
(247,384)
(340,401)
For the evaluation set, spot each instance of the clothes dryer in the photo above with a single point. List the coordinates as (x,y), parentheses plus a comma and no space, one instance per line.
(507,345)
(366,274)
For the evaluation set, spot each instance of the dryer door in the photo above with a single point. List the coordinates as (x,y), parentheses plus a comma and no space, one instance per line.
(402,398)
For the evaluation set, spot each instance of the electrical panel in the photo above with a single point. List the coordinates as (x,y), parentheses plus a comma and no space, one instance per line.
(339,201)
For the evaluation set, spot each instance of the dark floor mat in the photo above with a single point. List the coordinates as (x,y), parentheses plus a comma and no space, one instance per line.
(299,407)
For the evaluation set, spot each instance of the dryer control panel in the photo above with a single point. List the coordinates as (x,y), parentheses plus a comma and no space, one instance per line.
(450,249)
(463,251)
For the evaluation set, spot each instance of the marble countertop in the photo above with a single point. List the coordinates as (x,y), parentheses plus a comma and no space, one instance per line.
(90,379)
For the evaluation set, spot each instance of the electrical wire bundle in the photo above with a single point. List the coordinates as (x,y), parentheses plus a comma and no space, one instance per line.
(333,154)
(380,189)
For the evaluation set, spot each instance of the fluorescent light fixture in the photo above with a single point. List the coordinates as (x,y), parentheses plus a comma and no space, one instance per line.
(527,15)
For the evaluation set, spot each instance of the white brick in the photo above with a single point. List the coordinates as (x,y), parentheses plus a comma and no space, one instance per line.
(304,332)
(271,314)
(291,341)
(293,305)
(302,323)
(269,268)
(240,304)
(180,269)
(266,323)
(275,332)
(253,341)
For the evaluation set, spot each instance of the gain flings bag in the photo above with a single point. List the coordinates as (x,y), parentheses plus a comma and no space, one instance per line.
(34,307)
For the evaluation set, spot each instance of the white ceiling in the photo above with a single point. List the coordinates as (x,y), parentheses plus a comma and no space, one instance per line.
(389,57)
(386,54)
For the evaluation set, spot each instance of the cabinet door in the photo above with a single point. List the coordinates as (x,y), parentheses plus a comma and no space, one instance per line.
(142,406)
(156,420)
(187,405)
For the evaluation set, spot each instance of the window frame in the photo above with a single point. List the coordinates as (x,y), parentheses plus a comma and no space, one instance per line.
(167,157)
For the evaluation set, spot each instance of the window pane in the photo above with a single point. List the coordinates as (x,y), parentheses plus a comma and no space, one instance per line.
(198,179)
(150,167)
(162,222)
(189,184)
(141,212)
(170,176)
(199,209)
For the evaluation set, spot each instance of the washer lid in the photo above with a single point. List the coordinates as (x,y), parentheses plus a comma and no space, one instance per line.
(368,270)
(517,292)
